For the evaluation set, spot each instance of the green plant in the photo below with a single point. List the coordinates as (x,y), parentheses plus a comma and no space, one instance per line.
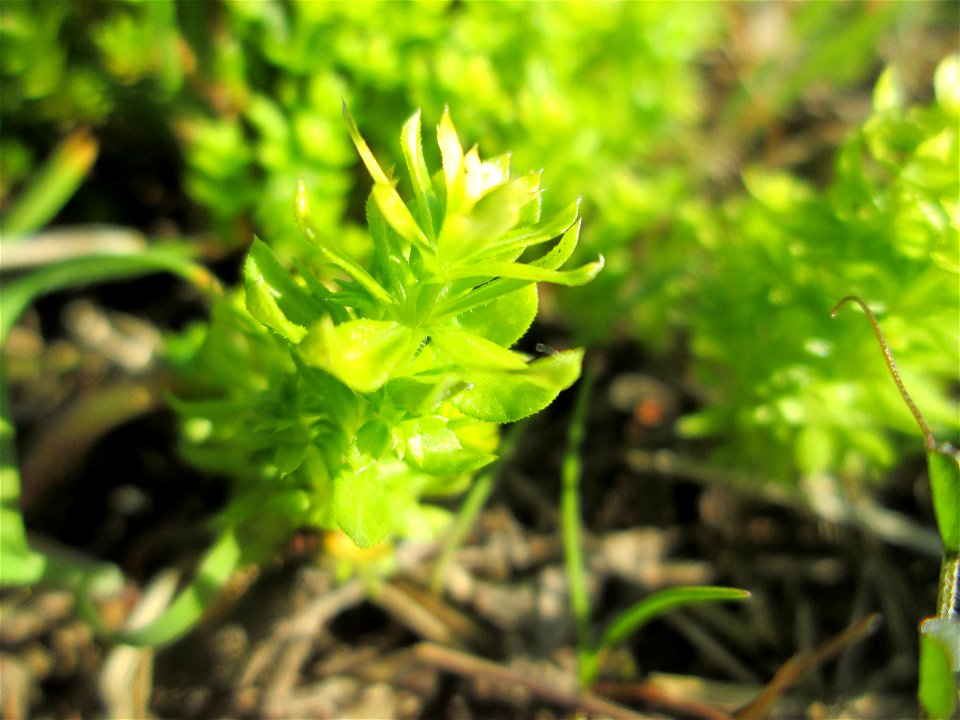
(527,77)
(939,636)
(350,406)
(69,69)
(786,394)
(591,652)
(620,101)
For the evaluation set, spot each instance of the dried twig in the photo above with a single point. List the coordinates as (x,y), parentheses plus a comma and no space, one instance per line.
(802,663)
(462,663)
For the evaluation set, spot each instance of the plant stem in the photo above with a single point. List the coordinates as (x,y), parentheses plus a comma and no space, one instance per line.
(928,438)
(572,534)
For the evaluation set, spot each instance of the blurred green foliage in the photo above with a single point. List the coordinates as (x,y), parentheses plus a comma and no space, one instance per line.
(752,281)
(726,230)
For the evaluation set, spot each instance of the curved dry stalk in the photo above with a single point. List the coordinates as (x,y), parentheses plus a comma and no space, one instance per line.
(928,437)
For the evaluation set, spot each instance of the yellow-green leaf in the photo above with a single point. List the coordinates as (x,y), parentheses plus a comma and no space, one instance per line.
(362,354)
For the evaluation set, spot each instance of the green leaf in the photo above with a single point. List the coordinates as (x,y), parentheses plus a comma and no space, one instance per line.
(513,395)
(369,443)
(89,269)
(337,401)
(938,690)
(451,158)
(390,260)
(362,354)
(525,237)
(531,212)
(520,271)
(19,565)
(466,296)
(478,297)
(563,249)
(419,174)
(944,469)
(334,254)
(360,506)
(888,92)
(290,457)
(398,215)
(638,615)
(373,167)
(388,200)
(274,298)
(472,351)
(463,235)
(434,448)
(423,393)
(505,319)
(484,176)
(214,570)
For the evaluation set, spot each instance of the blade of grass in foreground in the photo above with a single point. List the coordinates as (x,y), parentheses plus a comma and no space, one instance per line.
(52,186)
(636,616)
(572,532)
(99,268)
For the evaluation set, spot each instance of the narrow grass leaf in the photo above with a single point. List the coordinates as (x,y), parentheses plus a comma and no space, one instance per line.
(214,571)
(86,270)
(51,188)
(638,615)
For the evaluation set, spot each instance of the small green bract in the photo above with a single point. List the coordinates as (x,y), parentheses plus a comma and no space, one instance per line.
(343,395)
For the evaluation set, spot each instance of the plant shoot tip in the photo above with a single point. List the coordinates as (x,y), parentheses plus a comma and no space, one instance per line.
(850,298)
(928,437)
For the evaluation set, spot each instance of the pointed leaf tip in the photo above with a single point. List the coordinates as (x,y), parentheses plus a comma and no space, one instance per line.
(366,155)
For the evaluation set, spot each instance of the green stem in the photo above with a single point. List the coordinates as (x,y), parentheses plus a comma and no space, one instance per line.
(572,531)
(948,604)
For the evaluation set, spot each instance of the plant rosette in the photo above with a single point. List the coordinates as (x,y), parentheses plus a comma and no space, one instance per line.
(355,400)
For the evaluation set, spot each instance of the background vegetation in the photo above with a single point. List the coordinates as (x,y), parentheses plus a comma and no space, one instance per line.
(741,166)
